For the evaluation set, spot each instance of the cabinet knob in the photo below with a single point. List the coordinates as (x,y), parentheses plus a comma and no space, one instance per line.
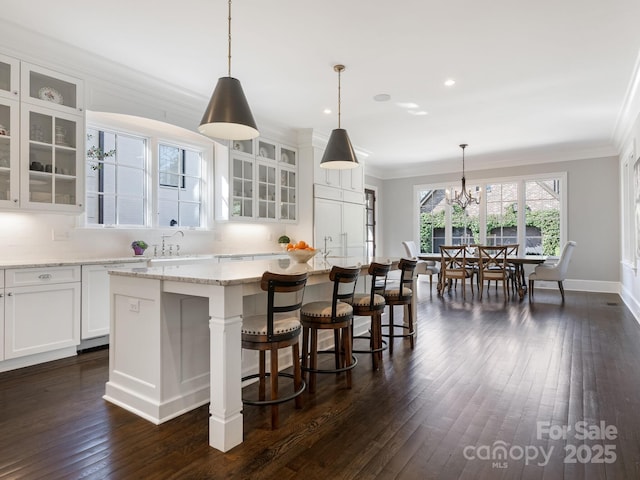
(15,92)
(15,200)
(10,294)
(44,276)
(1,295)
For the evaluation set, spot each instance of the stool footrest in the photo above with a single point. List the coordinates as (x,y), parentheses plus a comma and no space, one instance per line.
(396,335)
(278,400)
(374,350)
(354,361)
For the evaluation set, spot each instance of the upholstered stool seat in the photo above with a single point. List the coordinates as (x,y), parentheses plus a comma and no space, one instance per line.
(280,327)
(335,314)
(401,295)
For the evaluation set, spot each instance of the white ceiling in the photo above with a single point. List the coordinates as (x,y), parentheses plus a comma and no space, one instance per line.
(532,77)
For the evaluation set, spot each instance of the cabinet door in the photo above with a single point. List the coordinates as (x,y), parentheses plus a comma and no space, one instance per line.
(9,77)
(9,153)
(49,89)
(288,194)
(353,179)
(53,165)
(95,301)
(242,175)
(328,226)
(41,318)
(353,223)
(266,190)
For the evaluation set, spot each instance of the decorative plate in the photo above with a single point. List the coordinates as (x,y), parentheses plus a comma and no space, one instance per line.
(238,146)
(50,95)
(284,158)
(263,152)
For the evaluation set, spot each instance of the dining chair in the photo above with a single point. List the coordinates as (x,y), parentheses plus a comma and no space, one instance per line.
(278,328)
(372,304)
(334,314)
(492,265)
(424,267)
(453,266)
(553,272)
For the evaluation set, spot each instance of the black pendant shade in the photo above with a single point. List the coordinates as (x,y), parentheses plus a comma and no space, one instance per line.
(228,115)
(339,153)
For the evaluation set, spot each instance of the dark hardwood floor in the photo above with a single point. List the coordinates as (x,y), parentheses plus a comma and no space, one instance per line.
(483,375)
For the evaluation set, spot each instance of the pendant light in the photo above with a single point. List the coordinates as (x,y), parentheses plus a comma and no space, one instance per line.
(228,114)
(339,153)
(463,198)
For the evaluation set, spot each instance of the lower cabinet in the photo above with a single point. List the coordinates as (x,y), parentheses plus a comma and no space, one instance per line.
(41,310)
(1,315)
(95,298)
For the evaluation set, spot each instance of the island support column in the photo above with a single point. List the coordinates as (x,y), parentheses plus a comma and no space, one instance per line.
(225,325)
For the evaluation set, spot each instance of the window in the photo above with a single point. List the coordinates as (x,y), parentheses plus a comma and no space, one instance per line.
(179,175)
(143,173)
(116,178)
(528,211)
(370,222)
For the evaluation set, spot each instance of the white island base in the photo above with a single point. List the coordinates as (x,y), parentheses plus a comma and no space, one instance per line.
(176,338)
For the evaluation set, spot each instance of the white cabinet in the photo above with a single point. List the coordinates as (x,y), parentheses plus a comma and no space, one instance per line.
(340,227)
(1,315)
(257,182)
(95,298)
(42,310)
(351,179)
(41,138)
(9,153)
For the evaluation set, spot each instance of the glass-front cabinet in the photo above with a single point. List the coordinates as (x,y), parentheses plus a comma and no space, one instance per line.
(53,173)
(9,157)
(9,77)
(263,182)
(52,140)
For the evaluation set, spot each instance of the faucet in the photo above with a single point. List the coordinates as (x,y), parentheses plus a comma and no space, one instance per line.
(170,246)
(326,252)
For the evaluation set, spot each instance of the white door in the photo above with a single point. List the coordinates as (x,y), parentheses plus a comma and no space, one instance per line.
(353,223)
(41,318)
(328,226)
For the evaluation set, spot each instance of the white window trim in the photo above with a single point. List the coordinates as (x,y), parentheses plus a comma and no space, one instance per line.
(155,133)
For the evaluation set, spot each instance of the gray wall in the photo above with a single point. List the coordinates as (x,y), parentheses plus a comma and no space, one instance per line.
(592,207)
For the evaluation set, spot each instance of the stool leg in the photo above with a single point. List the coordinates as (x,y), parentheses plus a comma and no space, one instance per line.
(348,355)
(262,372)
(410,322)
(275,420)
(305,350)
(313,353)
(297,372)
(336,347)
(391,329)
(375,339)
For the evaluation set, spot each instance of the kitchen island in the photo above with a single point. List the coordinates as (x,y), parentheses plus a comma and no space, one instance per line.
(176,336)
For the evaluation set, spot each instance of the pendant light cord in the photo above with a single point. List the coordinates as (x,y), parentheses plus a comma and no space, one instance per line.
(339,100)
(229,48)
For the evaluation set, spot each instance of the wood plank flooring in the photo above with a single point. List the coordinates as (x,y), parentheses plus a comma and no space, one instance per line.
(483,374)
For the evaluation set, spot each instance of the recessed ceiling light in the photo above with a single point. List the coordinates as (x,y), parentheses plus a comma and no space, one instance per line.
(326,111)
(408,105)
(450,82)
(417,112)
(382,97)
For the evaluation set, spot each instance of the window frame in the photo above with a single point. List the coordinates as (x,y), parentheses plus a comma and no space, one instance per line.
(155,133)
(483,182)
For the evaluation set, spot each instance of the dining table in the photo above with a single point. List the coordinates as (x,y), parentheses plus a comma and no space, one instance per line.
(518,261)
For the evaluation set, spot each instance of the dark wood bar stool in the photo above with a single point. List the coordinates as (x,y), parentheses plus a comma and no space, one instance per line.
(279,328)
(402,295)
(372,305)
(335,314)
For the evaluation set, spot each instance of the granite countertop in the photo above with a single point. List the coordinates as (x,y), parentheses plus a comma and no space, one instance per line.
(234,273)
(66,262)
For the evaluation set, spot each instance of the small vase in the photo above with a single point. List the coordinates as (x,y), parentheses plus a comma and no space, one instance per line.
(138,251)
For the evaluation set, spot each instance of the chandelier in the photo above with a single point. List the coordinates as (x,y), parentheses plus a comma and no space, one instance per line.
(463,198)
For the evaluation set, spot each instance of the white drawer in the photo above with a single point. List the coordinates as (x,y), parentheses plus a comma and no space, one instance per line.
(21,277)
(1,278)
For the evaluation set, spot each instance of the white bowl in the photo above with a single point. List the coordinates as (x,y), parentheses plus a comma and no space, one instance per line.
(301,256)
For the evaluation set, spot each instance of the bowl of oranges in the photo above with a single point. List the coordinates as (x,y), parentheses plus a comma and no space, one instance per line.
(301,252)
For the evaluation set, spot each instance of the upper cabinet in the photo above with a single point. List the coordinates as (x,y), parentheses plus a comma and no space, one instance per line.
(9,77)
(262,181)
(42,125)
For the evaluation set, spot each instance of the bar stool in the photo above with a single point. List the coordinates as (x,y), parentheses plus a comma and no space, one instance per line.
(372,305)
(279,328)
(402,295)
(337,315)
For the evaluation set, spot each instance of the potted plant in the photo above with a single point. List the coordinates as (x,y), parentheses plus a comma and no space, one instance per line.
(139,246)
(283,241)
